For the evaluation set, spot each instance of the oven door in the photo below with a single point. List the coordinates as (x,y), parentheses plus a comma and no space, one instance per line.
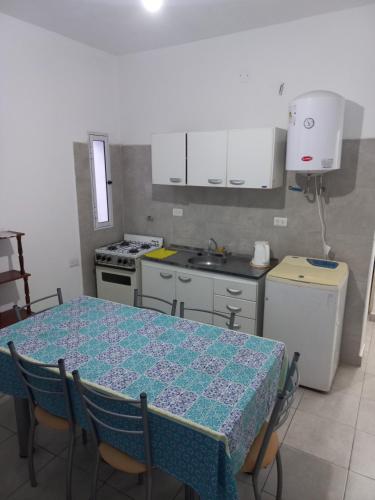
(117,285)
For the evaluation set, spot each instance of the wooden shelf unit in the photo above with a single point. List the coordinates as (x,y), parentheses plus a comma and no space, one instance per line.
(8,317)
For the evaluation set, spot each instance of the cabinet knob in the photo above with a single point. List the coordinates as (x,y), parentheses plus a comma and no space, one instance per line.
(234,309)
(184,280)
(233,291)
(237,182)
(215,181)
(175,180)
(236,326)
(166,276)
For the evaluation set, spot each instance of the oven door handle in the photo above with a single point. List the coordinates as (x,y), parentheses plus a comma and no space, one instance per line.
(166,276)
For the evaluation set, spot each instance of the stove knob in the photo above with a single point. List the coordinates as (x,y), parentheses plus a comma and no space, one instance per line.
(103,258)
(119,261)
(109,259)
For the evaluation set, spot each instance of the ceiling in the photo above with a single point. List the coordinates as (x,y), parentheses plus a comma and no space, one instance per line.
(124,26)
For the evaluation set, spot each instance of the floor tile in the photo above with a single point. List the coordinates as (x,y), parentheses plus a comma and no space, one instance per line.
(370,363)
(359,487)
(7,414)
(5,433)
(324,438)
(339,406)
(13,469)
(51,440)
(84,458)
(307,477)
(51,484)
(363,456)
(246,492)
(366,416)
(369,387)
(284,428)
(297,397)
(108,493)
(247,478)
(348,379)
(165,486)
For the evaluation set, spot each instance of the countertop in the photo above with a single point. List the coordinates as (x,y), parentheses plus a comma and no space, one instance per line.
(235,265)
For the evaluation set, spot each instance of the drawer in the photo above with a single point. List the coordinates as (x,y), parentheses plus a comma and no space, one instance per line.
(246,325)
(246,290)
(244,308)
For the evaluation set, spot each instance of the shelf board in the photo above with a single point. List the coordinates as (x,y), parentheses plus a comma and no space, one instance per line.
(12,275)
(5,235)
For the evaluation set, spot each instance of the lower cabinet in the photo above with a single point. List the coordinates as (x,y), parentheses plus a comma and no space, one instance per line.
(209,291)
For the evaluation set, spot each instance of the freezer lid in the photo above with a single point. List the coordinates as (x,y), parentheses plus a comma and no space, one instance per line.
(307,270)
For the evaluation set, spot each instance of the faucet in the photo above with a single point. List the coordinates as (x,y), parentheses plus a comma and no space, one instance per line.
(211,242)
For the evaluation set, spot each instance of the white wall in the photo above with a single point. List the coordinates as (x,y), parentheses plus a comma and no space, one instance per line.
(52,91)
(197,85)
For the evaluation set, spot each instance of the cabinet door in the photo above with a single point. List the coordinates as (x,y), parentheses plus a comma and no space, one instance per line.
(250,158)
(158,282)
(196,292)
(207,158)
(169,159)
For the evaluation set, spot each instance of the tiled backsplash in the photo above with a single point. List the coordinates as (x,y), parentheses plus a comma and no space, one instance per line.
(236,218)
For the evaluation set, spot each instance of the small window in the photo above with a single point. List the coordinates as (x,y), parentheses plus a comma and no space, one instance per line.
(101,181)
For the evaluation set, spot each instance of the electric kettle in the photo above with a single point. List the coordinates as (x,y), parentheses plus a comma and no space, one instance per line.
(261,257)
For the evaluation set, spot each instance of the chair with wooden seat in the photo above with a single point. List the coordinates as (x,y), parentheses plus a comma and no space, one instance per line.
(138,302)
(266,447)
(46,383)
(129,419)
(21,310)
(230,319)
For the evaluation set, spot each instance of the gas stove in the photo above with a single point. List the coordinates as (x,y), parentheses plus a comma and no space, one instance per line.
(124,254)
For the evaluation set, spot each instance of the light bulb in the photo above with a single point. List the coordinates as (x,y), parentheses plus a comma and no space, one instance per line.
(152,5)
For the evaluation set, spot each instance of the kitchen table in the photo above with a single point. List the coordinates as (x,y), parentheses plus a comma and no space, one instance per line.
(209,389)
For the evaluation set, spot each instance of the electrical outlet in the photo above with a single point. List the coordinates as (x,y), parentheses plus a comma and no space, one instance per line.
(178,212)
(280,221)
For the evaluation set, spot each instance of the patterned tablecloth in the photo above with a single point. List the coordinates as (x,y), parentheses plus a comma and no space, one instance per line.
(209,389)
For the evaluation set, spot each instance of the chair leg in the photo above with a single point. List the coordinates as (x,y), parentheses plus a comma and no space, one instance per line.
(70,465)
(257,493)
(95,477)
(148,494)
(279,467)
(30,451)
(84,436)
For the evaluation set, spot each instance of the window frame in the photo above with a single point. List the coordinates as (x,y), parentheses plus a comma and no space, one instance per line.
(94,136)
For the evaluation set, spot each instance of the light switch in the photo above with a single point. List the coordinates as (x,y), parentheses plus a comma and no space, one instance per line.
(280,221)
(178,212)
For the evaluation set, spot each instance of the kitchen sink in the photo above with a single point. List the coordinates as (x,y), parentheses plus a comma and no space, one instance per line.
(207,260)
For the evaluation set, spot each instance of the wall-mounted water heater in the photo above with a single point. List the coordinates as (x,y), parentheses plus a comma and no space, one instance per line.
(315,132)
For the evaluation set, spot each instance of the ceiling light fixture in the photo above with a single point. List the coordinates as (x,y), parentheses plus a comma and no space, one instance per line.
(152,5)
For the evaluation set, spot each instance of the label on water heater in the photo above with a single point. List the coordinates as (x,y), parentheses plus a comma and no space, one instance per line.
(306,158)
(327,162)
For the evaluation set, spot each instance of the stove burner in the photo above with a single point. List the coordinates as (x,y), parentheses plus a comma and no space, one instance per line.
(145,246)
(112,247)
(124,243)
(133,250)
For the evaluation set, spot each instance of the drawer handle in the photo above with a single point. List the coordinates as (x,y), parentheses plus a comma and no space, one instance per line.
(236,326)
(234,309)
(233,291)
(184,280)
(237,182)
(166,276)
(176,180)
(215,181)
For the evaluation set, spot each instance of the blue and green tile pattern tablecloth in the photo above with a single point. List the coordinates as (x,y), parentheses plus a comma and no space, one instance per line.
(209,389)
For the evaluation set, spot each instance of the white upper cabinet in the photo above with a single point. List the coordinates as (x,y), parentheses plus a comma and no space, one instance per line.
(207,158)
(169,158)
(256,158)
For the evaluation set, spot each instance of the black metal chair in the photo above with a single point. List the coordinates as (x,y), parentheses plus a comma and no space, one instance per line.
(230,320)
(20,309)
(41,385)
(102,420)
(266,447)
(138,301)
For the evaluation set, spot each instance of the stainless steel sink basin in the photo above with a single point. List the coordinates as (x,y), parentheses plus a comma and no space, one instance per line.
(208,260)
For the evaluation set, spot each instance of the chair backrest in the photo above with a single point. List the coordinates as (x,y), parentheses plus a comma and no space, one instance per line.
(230,319)
(43,386)
(281,409)
(95,404)
(138,302)
(19,309)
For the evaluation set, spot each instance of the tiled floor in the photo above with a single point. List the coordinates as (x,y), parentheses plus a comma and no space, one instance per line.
(328,451)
